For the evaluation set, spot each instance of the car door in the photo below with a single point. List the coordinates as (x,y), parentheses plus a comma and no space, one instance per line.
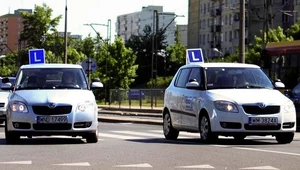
(178,96)
(192,101)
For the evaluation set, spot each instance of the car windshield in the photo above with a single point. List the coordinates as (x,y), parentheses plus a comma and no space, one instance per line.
(51,78)
(223,78)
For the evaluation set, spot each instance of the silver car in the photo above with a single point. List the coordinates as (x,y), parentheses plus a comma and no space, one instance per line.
(51,99)
(4,95)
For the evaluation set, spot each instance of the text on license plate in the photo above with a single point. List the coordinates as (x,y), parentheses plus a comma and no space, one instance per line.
(263,120)
(52,119)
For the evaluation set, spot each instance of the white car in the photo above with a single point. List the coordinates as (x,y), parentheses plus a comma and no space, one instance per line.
(4,95)
(228,99)
(41,103)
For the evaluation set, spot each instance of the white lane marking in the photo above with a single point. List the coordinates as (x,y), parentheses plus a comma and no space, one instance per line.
(262,167)
(144,165)
(118,136)
(139,134)
(74,164)
(18,162)
(262,150)
(206,166)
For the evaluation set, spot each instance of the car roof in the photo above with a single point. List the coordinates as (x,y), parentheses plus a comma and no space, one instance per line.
(211,65)
(50,66)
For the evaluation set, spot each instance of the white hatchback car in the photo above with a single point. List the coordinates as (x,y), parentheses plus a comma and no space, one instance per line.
(44,101)
(228,99)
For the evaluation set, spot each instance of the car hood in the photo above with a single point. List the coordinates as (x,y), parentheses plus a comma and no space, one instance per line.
(246,96)
(56,96)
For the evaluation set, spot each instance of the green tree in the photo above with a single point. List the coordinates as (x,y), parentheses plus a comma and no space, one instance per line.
(37,25)
(294,31)
(141,44)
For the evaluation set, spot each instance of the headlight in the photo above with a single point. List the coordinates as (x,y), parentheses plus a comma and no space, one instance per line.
(288,107)
(18,107)
(226,106)
(85,105)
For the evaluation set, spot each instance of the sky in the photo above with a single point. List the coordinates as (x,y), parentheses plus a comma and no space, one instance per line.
(82,12)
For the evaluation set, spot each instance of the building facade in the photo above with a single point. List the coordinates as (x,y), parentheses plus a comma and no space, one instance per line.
(183,32)
(134,23)
(215,23)
(10,29)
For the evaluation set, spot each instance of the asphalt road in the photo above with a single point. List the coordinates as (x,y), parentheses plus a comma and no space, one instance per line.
(140,146)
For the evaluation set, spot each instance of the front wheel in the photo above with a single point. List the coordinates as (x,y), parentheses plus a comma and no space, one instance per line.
(285,138)
(92,138)
(205,130)
(11,138)
(169,131)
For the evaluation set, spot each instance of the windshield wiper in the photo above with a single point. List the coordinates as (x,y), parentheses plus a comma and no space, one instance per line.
(253,87)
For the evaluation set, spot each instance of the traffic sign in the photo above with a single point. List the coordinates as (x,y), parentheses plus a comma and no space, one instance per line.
(85,65)
(36,56)
(194,56)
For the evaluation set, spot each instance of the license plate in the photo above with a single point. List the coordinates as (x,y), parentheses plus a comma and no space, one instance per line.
(52,119)
(263,120)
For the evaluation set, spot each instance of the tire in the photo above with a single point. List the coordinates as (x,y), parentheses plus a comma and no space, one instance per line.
(11,138)
(206,135)
(92,138)
(169,131)
(285,138)
(239,137)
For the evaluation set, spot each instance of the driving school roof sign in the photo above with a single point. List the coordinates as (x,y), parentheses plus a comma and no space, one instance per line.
(36,56)
(194,56)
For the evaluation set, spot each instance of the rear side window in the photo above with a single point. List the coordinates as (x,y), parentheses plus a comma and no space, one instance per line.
(182,78)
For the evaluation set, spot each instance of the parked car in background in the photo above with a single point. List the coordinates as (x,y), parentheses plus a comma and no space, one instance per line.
(4,95)
(135,95)
(294,95)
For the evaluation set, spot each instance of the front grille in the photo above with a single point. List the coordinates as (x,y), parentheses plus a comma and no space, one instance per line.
(251,127)
(2,104)
(45,110)
(55,126)
(258,110)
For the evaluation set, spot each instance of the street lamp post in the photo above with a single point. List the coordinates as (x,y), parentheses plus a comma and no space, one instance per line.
(155,45)
(66,35)
(108,25)
(217,51)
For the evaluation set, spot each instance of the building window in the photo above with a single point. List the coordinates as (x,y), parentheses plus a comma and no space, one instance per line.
(203,39)
(230,36)
(226,36)
(207,37)
(226,20)
(204,10)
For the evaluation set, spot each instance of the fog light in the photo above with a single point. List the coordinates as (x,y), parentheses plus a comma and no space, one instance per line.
(224,125)
(88,124)
(16,125)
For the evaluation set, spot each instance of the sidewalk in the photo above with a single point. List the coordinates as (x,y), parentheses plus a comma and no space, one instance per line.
(133,114)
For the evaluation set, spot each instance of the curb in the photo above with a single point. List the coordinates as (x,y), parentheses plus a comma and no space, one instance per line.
(121,113)
(129,120)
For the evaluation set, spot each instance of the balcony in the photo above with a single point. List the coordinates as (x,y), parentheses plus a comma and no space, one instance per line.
(215,44)
(215,28)
(216,12)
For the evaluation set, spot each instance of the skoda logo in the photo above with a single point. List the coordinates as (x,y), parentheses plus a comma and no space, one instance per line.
(261,105)
(52,105)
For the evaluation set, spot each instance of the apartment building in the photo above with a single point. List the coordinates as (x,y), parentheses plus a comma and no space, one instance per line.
(134,23)
(10,29)
(215,23)
(183,32)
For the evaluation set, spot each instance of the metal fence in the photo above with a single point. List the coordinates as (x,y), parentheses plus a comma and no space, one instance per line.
(137,97)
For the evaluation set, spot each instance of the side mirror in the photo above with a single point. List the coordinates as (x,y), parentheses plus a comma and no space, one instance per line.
(7,86)
(192,85)
(279,85)
(96,85)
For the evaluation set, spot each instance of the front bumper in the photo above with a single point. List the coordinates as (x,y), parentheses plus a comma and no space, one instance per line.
(78,124)
(225,123)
